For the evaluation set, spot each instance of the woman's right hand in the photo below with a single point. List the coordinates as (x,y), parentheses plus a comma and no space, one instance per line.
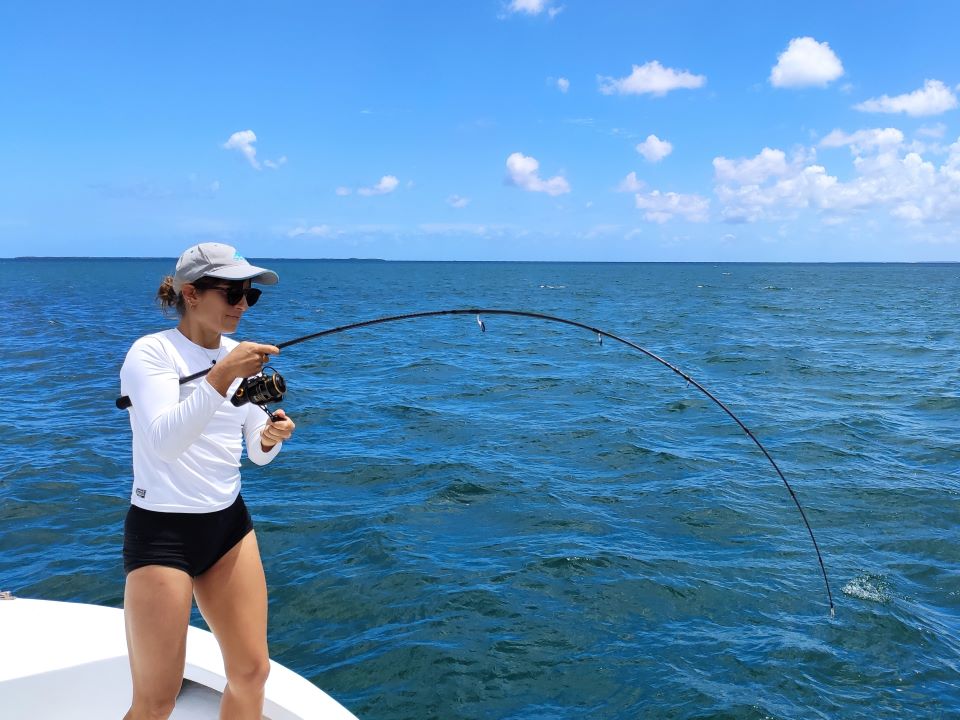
(245,360)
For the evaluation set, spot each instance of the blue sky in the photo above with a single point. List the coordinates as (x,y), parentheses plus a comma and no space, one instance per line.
(483,129)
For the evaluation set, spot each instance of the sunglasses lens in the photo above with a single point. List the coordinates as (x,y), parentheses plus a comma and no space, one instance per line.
(235,294)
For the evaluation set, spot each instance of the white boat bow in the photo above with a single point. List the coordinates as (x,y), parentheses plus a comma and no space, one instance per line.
(69,660)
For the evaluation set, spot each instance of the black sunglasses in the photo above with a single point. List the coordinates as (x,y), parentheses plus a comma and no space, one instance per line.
(234,294)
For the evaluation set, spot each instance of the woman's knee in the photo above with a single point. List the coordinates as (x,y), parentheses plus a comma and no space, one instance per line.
(152,708)
(250,675)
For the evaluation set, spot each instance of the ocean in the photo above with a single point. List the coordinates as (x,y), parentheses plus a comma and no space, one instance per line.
(525,523)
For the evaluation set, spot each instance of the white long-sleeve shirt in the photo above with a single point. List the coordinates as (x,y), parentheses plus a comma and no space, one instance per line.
(187,439)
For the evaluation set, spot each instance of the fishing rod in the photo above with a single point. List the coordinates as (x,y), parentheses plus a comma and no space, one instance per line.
(262,388)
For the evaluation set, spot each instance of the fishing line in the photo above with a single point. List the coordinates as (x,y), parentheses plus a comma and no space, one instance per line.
(124,402)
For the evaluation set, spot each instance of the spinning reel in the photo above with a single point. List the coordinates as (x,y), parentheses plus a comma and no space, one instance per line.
(260,390)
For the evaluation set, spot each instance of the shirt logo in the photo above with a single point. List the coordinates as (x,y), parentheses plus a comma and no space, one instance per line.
(141,492)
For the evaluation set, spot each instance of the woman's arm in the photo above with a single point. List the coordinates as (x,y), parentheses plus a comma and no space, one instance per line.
(150,379)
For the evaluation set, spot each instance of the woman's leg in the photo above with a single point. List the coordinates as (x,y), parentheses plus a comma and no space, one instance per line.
(156,608)
(232,595)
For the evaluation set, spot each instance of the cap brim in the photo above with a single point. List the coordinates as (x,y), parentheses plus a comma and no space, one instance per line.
(259,275)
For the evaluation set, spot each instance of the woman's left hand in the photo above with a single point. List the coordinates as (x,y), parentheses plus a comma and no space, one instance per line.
(276,431)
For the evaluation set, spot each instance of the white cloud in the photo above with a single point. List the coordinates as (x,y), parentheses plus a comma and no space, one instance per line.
(387,184)
(457,201)
(273,165)
(909,212)
(751,171)
(806,62)
(661,207)
(461,229)
(932,99)
(887,176)
(934,131)
(243,141)
(522,172)
(795,188)
(343,191)
(652,78)
(534,7)
(563,84)
(312,231)
(654,149)
(631,184)
(863,140)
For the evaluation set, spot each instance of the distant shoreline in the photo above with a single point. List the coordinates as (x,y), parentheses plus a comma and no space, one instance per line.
(79,258)
(95,258)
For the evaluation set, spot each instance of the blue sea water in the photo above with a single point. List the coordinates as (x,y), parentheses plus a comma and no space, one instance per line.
(527,524)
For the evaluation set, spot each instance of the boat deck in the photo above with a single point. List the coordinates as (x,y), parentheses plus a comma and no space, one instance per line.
(69,660)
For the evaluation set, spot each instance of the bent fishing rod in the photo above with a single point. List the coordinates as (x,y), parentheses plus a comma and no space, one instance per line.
(270,388)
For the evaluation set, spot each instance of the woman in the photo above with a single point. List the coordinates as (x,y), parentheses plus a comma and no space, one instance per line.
(188,533)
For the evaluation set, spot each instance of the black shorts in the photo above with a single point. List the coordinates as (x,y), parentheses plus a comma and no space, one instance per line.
(191,542)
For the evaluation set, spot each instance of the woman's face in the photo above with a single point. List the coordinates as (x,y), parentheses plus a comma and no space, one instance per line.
(209,306)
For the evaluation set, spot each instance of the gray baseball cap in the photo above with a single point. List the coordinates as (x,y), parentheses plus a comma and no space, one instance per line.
(218,261)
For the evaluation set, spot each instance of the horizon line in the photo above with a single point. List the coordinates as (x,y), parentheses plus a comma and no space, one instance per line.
(28,258)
